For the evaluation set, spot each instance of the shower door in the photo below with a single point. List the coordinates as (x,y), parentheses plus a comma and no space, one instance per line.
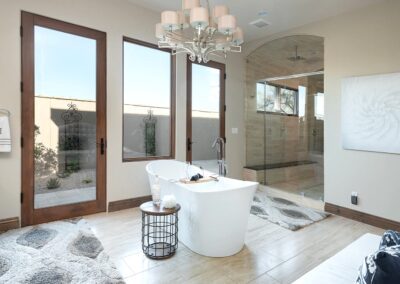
(292,114)
(63,120)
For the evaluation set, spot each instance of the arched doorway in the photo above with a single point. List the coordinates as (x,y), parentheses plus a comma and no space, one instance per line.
(285,116)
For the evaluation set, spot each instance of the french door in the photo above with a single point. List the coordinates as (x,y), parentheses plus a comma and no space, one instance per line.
(63,120)
(205,112)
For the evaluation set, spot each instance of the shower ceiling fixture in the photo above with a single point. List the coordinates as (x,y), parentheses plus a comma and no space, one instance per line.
(199,31)
(296,57)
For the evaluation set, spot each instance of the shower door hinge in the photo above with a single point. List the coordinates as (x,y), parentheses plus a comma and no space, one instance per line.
(22,142)
(21,86)
(21,31)
(22,197)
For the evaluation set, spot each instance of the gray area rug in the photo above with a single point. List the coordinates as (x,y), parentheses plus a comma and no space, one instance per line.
(283,212)
(57,253)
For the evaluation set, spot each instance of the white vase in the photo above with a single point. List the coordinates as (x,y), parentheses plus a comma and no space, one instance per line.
(156,193)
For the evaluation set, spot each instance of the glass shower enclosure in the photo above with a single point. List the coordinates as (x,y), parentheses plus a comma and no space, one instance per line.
(291,110)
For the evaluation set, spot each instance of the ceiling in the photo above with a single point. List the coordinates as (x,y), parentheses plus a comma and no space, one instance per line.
(281,14)
(273,58)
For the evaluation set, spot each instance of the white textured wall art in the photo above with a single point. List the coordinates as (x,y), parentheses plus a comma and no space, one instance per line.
(371,113)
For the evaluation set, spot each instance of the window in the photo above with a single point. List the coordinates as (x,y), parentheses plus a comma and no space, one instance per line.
(277,99)
(149,102)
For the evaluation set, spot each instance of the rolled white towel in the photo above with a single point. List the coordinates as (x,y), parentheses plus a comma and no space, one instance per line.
(169,201)
(5,134)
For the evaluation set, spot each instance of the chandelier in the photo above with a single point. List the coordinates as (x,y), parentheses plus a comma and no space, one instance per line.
(199,31)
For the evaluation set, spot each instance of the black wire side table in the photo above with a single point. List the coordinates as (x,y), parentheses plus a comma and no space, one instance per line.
(159,230)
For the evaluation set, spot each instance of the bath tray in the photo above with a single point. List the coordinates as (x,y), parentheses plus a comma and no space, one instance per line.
(205,179)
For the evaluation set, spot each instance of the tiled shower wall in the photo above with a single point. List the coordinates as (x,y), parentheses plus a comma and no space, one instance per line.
(274,138)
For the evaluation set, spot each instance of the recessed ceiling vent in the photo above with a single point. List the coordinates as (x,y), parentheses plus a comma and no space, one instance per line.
(260,23)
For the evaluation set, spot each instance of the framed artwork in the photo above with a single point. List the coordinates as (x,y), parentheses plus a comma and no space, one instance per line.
(371,113)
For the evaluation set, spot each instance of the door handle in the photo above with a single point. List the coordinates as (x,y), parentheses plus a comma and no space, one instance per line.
(102,146)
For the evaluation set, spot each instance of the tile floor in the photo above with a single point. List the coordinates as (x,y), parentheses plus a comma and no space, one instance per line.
(271,254)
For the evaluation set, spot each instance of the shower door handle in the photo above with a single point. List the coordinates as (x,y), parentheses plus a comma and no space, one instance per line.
(102,145)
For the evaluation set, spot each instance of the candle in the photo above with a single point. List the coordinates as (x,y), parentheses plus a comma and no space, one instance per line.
(169,20)
(220,10)
(182,20)
(160,32)
(190,4)
(238,36)
(199,17)
(227,24)
(156,194)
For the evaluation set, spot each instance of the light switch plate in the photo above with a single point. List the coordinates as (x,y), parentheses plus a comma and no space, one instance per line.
(235,130)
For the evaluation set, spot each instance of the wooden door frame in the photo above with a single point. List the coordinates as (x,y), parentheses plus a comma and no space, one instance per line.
(30,215)
(222,106)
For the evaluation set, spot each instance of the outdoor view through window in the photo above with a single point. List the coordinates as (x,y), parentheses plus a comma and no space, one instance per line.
(147,102)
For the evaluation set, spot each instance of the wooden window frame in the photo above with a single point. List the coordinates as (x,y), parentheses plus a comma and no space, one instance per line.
(30,215)
(172,101)
(222,107)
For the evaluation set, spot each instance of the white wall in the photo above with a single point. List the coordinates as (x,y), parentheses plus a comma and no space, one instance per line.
(363,42)
(116,18)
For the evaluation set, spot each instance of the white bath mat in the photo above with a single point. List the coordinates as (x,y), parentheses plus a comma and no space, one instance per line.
(283,212)
(58,252)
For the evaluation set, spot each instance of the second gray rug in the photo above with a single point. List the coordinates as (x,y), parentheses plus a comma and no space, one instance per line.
(283,212)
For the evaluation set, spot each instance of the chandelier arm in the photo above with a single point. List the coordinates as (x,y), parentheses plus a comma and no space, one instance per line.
(183,49)
(181,36)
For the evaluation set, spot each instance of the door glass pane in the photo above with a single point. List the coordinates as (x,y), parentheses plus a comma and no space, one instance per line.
(205,115)
(65,118)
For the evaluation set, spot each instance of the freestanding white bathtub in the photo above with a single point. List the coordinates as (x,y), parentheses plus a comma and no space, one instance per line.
(214,215)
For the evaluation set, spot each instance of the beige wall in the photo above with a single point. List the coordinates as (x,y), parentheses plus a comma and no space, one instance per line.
(116,18)
(360,43)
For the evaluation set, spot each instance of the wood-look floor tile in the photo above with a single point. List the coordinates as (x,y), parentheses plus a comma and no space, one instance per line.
(272,254)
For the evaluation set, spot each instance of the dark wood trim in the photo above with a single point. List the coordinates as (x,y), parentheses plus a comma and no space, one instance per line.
(222,106)
(9,224)
(128,203)
(30,215)
(172,102)
(188,110)
(362,217)
(27,116)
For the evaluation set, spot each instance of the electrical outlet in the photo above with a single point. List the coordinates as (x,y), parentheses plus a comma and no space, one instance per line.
(354,198)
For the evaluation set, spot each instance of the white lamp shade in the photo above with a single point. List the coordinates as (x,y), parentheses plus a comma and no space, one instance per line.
(220,10)
(182,19)
(190,4)
(227,24)
(160,32)
(238,36)
(199,17)
(169,20)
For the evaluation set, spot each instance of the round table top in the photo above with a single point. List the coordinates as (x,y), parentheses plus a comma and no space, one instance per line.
(152,209)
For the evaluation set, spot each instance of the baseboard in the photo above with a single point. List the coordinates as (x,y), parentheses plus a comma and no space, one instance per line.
(127,203)
(363,217)
(9,224)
